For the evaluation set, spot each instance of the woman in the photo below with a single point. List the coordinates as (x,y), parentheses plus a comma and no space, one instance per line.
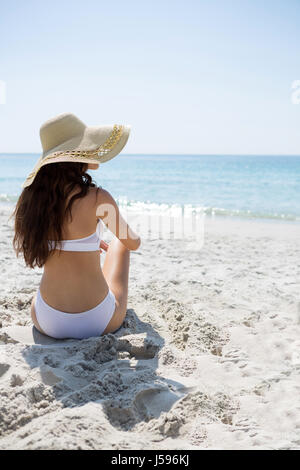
(58,226)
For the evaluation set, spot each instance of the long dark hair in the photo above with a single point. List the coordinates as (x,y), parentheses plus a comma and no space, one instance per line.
(41,208)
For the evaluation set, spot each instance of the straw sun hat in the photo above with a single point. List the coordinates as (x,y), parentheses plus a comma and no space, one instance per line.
(67,139)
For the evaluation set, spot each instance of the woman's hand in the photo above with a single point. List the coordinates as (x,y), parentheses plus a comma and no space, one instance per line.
(103,246)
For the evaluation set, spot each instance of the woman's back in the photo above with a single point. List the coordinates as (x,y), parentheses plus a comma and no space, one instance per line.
(59,203)
(73,281)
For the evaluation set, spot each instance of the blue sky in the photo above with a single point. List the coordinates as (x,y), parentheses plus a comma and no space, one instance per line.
(190,76)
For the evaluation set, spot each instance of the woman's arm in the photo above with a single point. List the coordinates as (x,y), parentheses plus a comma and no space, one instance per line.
(108,211)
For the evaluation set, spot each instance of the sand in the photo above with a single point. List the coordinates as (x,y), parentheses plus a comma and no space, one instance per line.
(208,356)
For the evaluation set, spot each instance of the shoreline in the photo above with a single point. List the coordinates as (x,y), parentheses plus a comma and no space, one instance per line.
(186,210)
(7,207)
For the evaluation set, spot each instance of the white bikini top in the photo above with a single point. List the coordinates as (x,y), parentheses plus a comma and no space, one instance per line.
(90,243)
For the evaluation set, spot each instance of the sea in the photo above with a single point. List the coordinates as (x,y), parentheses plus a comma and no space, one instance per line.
(257,187)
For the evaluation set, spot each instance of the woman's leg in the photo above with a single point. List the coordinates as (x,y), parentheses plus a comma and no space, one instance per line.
(116,273)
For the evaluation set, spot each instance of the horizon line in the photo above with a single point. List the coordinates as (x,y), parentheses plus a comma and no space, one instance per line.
(182,154)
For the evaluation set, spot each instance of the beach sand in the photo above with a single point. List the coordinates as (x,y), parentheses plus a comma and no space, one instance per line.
(208,356)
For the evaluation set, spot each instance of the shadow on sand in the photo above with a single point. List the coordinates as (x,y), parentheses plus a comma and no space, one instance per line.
(118,371)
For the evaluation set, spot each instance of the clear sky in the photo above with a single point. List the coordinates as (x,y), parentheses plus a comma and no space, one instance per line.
(190,76)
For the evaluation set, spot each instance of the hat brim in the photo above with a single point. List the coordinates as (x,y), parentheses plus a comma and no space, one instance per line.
(98,144)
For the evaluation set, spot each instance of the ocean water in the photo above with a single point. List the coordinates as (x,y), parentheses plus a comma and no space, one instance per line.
(261,187)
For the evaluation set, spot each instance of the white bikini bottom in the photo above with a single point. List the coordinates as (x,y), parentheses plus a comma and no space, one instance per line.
(60,325)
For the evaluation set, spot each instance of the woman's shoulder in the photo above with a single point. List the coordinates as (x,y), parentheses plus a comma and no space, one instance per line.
(103,196)
(105,203)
